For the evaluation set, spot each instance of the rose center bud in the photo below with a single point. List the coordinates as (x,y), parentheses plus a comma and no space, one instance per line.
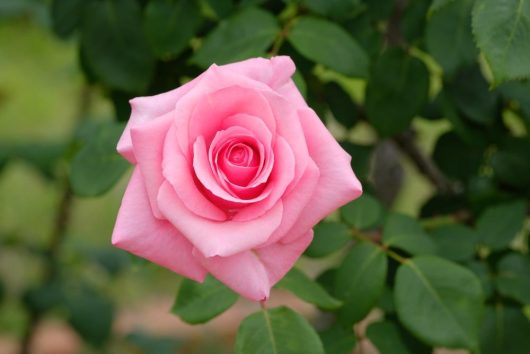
(241,155)
(239,162)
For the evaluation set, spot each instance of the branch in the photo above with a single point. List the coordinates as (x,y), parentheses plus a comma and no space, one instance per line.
(58,233)
(425,165)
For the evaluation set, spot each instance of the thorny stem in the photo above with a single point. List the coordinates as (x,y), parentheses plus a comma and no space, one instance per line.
(58,233)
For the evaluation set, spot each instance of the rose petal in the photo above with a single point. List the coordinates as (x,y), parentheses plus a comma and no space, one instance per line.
(148,144)
(179,173)
(253,273)
(274,72)
(217,238)
(210,112)
(203,171)
(296,201)
(337,184)
(145,109)
(289,127)
(139,232)
(280,178)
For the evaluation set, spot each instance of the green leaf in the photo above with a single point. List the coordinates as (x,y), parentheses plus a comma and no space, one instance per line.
(363,213)
(360,281)
(169,25)
(327,280)
(386,338)
(246,34)
(520,93)
(412,24)
(338,340)
(366,34)
(505,330)
(112,260)
(438,5)
(513,277)
(220,8)
(330,45)
(483,273)
(502,29)
(329,237)
(43,298)
(277,331)
(90,314)
(404,232)
(147,343)
(44,156)
(97,166)
(199,303)
(338,9)
(308,290)
(379,9)
(448,36)
(341,104)
(439,301)
(498,225)
(511,164)
(469,160)
(470,92)
(66,16)
(392,100)
(114,46)
(455,242)
(386,302)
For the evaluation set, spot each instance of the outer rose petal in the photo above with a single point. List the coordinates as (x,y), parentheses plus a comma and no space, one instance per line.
(337,184)
(217,238)
(145,109)
(148,145)
(253,273)
(140,233)
(275,72)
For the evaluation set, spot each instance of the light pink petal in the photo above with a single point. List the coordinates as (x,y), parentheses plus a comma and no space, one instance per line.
(179,173)
(290,92)
(253,273)
(145,109)
(337,184)
(214,238)
(243,272)
(251,123)
(296,201)
(210,112)
(139,232)
(148,144)
(279,258)
(274,72)
(289,127)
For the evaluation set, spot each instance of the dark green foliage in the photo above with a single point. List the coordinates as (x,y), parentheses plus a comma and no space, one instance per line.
(277,331)
(306,289)
(198,303)
(454,274)
(396,92)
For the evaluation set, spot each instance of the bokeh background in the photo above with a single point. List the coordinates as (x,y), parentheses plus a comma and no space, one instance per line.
(109,301)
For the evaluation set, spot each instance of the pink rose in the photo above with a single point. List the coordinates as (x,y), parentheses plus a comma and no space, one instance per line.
(232,171)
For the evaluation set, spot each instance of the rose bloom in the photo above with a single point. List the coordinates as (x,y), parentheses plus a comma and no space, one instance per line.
(231,172)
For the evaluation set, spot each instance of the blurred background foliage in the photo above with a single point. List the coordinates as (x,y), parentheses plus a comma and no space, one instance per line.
(430,98)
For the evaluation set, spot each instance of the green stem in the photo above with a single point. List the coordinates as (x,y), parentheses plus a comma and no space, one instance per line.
(361,237)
